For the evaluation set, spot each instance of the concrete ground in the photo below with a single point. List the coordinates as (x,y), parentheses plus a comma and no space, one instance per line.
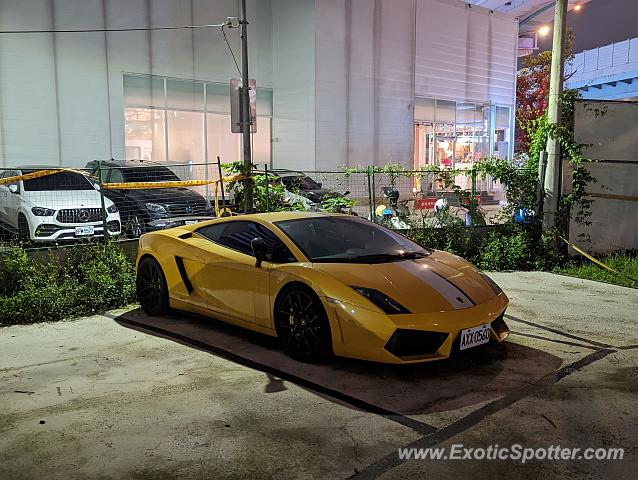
(127,396)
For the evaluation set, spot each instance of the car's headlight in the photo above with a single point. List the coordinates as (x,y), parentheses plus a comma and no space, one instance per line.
(42,212)
(381,300)
(155,207)
(491,283)
(112,209)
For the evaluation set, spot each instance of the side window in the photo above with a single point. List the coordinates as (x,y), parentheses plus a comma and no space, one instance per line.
(115,176)
(238,235)
(213,232)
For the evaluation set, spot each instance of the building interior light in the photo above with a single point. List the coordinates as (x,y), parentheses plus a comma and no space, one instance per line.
(577,7)
(544,30)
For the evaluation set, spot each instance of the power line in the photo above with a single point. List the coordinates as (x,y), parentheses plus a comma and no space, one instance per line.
(102,30)
(231,50)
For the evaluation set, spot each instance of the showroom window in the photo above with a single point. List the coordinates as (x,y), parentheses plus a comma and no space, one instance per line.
(188,122)
(457,134)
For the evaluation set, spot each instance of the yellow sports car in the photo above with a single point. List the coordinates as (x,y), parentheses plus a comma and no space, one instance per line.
(324,284)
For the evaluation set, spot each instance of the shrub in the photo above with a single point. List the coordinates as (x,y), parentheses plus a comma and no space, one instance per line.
(93,278)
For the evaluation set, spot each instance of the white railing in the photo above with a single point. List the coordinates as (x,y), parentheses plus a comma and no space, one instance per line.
(608,60)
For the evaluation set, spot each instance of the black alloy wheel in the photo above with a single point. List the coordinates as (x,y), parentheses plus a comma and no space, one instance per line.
(302,325)
(135,225)
(23,229)
(152,290)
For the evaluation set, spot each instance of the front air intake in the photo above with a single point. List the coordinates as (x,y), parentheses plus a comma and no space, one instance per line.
(411,343)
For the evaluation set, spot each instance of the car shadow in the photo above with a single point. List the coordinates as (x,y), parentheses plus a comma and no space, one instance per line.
(469,378)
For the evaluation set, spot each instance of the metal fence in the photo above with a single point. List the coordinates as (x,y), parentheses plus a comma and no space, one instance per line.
(45,206)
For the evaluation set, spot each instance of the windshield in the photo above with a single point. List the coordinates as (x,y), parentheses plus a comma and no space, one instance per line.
(149,174)
(302,183)
(349,240)
(57,181)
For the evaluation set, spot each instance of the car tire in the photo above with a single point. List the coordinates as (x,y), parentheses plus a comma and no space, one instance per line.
(135,225)
(152,289)
(24,234)
(302,324)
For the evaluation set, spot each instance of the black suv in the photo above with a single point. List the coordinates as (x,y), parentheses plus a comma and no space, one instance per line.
(302,184)
(150,209)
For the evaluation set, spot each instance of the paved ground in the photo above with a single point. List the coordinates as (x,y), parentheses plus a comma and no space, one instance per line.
(126,396)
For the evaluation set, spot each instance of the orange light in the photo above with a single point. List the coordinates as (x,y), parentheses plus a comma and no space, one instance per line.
(577,7)
(544,30)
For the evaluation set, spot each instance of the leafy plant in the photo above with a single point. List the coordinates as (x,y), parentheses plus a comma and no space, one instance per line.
(93,278)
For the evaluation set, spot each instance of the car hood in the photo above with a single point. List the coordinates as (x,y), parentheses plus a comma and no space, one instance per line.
(424,285)
(165,195)
(59,199)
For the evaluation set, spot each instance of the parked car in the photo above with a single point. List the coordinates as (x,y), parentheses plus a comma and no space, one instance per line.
(61,206)
(302,184)
(148,209)
(323,283)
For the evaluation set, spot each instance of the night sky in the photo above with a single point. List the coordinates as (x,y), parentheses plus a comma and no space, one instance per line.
(600,22)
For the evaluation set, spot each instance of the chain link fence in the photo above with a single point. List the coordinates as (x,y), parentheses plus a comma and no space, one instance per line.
(45,206)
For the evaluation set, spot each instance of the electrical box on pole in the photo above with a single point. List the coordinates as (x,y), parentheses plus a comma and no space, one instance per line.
(236,118)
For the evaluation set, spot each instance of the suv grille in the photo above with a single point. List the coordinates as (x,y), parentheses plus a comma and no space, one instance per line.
(79,215)
(187,209)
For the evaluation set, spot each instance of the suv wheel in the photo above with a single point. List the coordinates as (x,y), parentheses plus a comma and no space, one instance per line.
(23,229)
(135,225)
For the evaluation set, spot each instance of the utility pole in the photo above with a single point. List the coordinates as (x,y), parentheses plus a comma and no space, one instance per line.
(553,172)
(246,121)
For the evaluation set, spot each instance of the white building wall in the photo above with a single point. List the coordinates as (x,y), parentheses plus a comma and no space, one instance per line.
(364,81)
(293,82)
(61,95)
(464,53)
(28,99)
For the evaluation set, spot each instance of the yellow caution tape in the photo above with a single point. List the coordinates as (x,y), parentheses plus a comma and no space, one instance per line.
(29,176)
(167,184)
(596,261)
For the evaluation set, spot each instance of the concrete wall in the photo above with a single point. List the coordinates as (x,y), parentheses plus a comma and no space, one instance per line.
(61,95)
(609,130)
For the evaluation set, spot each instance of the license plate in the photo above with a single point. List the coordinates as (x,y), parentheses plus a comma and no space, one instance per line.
(189,222)
(85,230)
(471,337)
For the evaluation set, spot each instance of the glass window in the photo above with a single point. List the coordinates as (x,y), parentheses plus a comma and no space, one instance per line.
(185,136)
(143,91)
(115,175)
(57,181)
(213,232)
(502,132)
(237,235)
(184,95)
(144,134)
(149,174)
(221,142)
(261,141)
(333,239)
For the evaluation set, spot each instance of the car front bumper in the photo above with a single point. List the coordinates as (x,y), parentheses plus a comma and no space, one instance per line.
(368,335)
(48,229)
(170,222)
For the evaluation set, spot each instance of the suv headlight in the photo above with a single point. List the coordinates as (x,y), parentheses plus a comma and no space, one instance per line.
(495,288)
(112,209)
(381,300)
(42,212)
(155,207)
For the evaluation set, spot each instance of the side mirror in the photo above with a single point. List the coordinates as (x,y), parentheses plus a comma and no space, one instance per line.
(13,188)
(259,250)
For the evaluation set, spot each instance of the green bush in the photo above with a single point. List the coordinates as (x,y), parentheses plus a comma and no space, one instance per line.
(503,247)
(93,278)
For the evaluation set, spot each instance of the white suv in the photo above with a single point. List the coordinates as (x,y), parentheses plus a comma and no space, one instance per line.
(61,206)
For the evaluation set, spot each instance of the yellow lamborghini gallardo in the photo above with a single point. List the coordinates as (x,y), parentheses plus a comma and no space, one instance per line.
(324,284)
